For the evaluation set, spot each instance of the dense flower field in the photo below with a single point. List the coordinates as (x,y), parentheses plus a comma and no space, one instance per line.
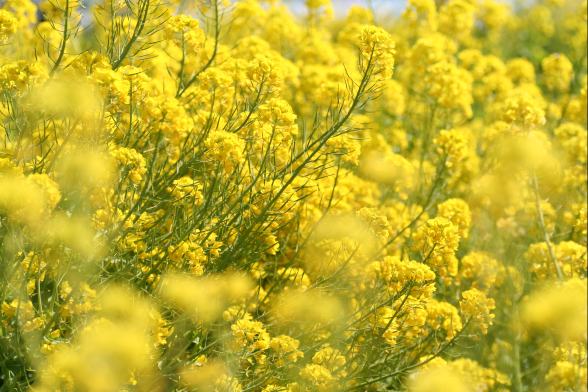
(224,196)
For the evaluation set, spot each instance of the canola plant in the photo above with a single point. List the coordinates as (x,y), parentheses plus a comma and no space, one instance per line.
(227,196)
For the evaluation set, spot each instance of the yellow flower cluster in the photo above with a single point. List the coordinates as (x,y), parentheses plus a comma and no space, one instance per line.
(478,308)
(273,196)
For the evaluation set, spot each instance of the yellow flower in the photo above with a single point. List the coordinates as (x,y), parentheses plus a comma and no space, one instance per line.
(377,47)
(522,107)
(8,25)
(458,212)
(477,308)
(557,72)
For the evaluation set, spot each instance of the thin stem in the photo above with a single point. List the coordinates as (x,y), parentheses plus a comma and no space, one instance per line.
(64,38)
(546,237)
(183,87)
(141,20)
